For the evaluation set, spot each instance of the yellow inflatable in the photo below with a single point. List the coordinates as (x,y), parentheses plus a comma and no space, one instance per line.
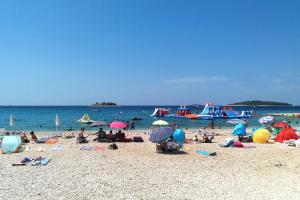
(261,136)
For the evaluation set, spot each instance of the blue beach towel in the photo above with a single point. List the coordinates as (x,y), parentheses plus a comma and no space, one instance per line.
(205,153)
(86,148)
(57,148)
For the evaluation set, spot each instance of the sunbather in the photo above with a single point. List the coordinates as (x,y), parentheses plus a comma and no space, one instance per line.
(101,136)
(68,135)
(171,144)
(196,138)
(206,139)
(81,137)
(33,136)
(110,136)
(24,137)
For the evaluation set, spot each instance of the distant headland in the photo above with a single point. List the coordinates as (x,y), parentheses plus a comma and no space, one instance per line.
(260,103)
(103,104)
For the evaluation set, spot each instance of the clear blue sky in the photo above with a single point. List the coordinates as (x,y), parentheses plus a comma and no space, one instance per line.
(149,52)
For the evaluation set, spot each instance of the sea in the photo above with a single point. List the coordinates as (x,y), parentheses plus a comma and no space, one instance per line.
(42,118)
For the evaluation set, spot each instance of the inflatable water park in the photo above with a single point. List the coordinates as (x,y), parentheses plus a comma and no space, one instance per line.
(209,112)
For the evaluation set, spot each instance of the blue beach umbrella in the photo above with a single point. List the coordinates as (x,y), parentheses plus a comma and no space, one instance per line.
(160,134)
(178,135)
(239,129)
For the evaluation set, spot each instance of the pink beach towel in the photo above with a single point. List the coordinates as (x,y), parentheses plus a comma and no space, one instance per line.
(99,148)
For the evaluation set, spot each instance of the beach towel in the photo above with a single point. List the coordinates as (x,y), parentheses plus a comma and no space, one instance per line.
(41,161)
(137,139)
(86,148)
(99,148)
(227,142)
(57,148)
(237,144)
(51,141)
(205,153)
(45,161)
(42,149)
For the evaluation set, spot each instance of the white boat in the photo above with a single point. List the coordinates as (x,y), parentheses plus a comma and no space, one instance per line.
(85,119)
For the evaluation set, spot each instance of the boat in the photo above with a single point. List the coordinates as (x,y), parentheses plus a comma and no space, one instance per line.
(209,112)
(85,119)
(160,112)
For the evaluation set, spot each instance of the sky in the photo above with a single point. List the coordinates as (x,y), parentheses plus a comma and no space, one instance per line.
(149,52)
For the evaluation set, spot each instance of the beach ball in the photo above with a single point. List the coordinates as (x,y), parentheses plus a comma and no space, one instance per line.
(261,136)
(178,135)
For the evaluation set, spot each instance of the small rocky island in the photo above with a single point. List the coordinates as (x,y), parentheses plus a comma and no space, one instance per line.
(260,103)
(104,104)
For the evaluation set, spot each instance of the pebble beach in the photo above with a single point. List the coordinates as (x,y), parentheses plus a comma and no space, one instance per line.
(136,171)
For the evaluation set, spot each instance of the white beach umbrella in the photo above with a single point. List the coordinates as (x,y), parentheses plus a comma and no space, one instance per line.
(12,120)
(57,121)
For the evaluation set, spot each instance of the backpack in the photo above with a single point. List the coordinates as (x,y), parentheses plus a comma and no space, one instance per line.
(113,147)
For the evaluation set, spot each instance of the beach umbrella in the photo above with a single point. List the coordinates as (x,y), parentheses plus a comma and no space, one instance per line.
(12,120)
(57,121)
(160,123)
(117,125)
(236,121)
(99,123)
(281,125)
(160,134)
(266,120)
(261,136)
(239,129)
(179,135)
(286,134)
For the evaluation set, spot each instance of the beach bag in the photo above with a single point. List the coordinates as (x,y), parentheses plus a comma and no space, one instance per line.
(113,147)
(137,139)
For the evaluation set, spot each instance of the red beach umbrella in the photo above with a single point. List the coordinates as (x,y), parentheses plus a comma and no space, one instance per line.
(286,134)
(281,125)
(117,125)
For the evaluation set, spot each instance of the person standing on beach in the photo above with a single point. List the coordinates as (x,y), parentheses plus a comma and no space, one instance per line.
(132,125)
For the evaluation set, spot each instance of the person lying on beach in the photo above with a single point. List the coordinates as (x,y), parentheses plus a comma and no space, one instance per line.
(33,136)
(206,139)
(69,135)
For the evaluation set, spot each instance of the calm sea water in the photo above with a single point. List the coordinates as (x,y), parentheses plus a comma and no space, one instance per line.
(42,118)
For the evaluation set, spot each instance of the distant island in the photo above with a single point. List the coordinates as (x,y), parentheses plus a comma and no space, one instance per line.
(260,103)
(102,104)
